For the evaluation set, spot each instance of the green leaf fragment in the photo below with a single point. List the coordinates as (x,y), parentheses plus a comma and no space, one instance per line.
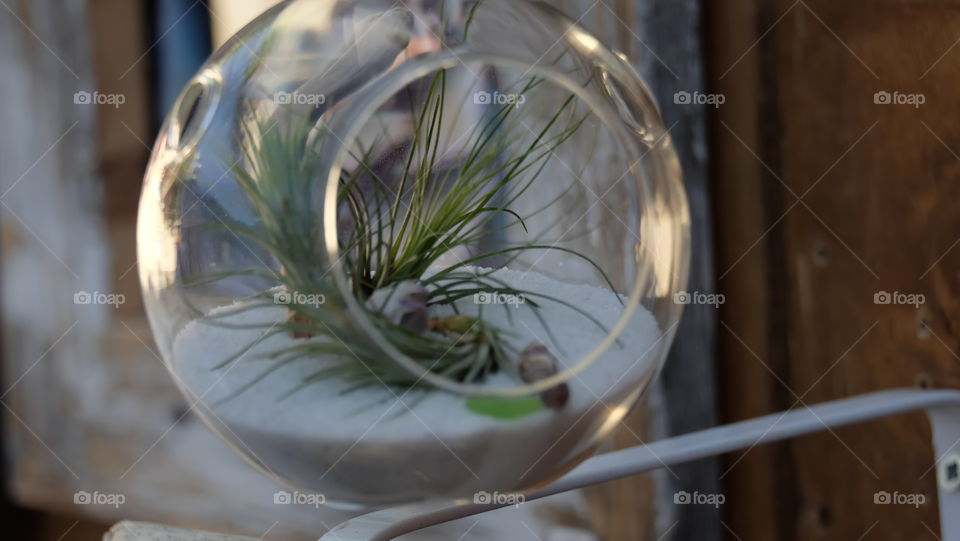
(505,407)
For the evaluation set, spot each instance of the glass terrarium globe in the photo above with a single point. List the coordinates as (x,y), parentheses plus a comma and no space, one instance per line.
(399,251)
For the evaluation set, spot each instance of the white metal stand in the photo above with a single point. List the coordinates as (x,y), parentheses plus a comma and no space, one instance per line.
(942,407)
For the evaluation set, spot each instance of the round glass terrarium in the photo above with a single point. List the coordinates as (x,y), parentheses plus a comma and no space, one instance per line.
(400,251)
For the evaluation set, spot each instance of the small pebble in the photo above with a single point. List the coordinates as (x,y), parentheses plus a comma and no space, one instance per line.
(294,317)
(537,363)
(404,303)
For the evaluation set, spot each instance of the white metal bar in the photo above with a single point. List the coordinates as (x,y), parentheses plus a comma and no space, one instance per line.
(943,408)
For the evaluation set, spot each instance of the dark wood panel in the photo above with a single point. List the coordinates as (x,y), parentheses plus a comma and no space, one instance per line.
(746,198)
(850,198)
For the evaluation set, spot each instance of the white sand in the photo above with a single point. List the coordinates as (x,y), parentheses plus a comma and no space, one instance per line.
(368,446)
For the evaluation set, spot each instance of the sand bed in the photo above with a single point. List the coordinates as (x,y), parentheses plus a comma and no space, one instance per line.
(382,445)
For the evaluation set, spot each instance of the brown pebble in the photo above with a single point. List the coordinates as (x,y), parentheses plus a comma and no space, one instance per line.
(301,319)
(556,397)
(537,363)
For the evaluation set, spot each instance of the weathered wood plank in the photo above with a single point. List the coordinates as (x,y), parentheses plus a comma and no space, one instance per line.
(877,214)
(748,202)
(879,219)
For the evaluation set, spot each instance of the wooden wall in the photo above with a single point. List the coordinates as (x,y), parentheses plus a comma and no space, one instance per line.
(825,198)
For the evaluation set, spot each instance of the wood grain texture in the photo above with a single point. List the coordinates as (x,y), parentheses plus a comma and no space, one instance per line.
(865,205)
(748,203)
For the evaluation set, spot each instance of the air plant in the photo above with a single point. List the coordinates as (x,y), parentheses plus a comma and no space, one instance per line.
(393,233)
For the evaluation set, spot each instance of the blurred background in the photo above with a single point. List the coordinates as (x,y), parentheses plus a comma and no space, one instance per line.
(820,151)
